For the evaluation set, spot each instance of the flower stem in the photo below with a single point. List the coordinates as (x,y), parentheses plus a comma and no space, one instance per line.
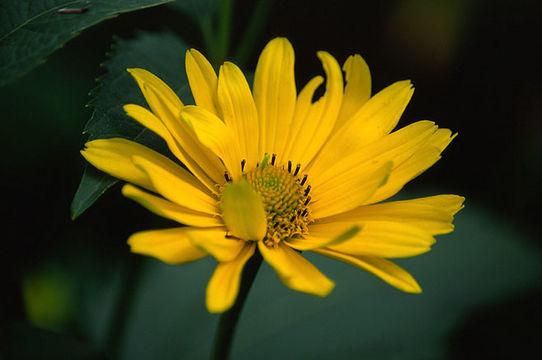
(228,320)
(252,32)
(224,30)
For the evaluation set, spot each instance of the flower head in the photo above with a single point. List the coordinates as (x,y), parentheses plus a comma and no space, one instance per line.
(273,171)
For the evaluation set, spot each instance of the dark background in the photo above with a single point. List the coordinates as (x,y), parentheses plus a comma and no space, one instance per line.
(476,69)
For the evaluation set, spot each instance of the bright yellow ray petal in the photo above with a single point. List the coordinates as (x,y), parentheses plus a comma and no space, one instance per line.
(322,236)
(224,284)
(170,210)
(203,81)
(397,147)
(374,120)
(178,185)
(170,245)
(216,243)
(197,158)
(432,214)
(171,103)
(441,138)
(114,156)
(449,203)
(303,108)
(206,167)
(320,119)
(357,89)
(384,269)
(275,95)
(218,137)
(295,271)
(239,111)
(150,121)
(384,239)
(408,170)
(349,189)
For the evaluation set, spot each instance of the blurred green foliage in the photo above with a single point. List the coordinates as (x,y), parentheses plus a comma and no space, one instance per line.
(475,72)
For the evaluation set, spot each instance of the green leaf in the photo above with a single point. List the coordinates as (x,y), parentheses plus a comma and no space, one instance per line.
(163,55)
(33,29)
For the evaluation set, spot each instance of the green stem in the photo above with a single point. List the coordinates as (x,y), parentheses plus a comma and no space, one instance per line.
(129,285)
(252,32)
(224,30)
(206,26)
(228,320)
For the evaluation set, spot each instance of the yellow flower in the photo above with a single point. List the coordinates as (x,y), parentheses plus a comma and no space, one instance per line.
(274,170)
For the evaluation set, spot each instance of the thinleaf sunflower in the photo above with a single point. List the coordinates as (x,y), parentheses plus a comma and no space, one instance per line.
(272,170)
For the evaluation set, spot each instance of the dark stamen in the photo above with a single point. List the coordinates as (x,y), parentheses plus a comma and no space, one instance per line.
(307,190)
(304,180)
(227,176)
(307,201)
(289,166)
(297,167)
(304,213)
(273,158)
(243,163)
(292,218)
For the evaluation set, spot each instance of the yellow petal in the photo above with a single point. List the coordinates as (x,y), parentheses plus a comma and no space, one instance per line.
(114,156)
(243,211)
(322,236)
(397,147)
(441,139)
(170,245)
(374,120)
(319,119)
(303,108)
(295,271)
(178,185)
(348,190)
(224,284)
(216,136)
(203,81)
(275,95)
(433,214)
(170,210)
(197,158)
(239,111)
(384,269)
(381,113)
(151,122)
(171,103)
(449,203)
(408,170)
(357,89)
(385,239)
(217,244)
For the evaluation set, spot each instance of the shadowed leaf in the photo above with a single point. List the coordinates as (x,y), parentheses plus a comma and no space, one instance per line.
(163,55)
(33,29)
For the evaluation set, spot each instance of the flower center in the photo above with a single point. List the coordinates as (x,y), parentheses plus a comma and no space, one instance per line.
(285,197)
